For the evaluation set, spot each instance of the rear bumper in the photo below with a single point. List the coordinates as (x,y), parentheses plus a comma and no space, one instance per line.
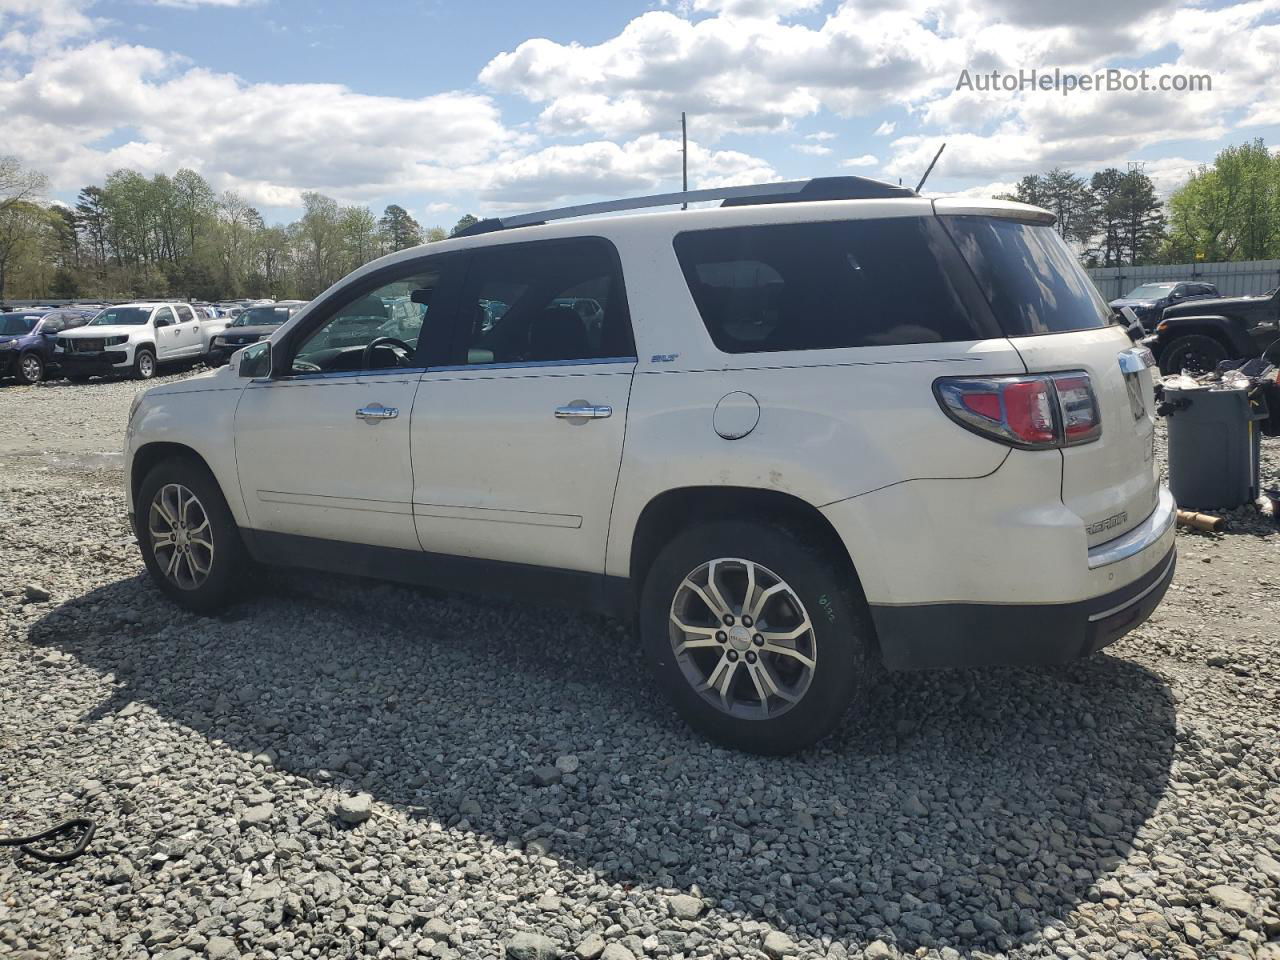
(927,636)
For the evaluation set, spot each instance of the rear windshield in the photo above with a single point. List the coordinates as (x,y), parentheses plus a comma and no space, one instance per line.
(813,286)
(1032,281)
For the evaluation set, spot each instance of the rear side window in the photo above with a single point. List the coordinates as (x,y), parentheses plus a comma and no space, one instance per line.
(546,302)
(1032,281)
(814,286)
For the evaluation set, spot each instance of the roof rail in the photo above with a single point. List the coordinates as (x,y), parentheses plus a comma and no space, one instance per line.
(787,191)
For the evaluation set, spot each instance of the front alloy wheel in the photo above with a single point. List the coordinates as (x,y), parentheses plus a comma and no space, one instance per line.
(189,539)
(181,539)
(742,638)
(30,368)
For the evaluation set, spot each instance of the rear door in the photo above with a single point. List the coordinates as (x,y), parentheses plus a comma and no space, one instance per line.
(189,339)
(1055,318)
(517,445)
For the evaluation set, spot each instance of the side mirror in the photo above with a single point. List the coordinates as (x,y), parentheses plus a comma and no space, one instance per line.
(162,322)
(422,296)
(255,360)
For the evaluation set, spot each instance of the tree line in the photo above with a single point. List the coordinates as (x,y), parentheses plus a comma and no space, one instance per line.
(1227,210)
(134,236)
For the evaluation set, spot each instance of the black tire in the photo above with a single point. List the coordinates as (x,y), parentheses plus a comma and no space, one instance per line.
(229,559)
(30,369)
(828,593)
(144,364)
(1194,352)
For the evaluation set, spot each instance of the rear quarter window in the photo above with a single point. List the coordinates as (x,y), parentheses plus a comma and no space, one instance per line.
(814,286)
(1030,278)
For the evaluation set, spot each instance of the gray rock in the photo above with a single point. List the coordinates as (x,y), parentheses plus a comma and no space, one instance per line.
(684,907)
(546,776)
(777,945)
(590,948)
(616,951)
(567,763)
(355,810)
(879,950)
(438,929)
(35,594)
(531,946)
(256,816)
(221,948)
(913,807)
(1233,898)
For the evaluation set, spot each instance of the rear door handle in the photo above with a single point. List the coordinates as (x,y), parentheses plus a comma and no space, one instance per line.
(583,411)
(376,411)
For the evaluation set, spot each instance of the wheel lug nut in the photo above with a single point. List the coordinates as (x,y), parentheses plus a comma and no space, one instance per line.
(758,640)
(732,655)
(746,621)
(728,619)
(751,656)
(721,636)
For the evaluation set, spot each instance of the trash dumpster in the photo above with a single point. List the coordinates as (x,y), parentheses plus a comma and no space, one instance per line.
(1214,445)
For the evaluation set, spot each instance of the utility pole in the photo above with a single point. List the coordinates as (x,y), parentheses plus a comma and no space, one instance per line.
(684,157)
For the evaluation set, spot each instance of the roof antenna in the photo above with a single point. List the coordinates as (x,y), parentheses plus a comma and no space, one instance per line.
(684,158)
(930,170)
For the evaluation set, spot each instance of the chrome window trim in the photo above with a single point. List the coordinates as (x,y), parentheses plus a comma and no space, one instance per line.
(525,364)
(1140,537)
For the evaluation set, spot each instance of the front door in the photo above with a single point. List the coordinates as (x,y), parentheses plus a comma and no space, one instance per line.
(322,447)
(516,447)
(189,340)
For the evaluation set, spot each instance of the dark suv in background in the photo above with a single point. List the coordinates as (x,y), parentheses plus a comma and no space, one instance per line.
(253,324)
(27,341)
(1150,300)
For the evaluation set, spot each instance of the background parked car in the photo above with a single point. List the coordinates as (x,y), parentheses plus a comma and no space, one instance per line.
(27,340)
(1149,300)
(1198,336)
(132,338)
(251,326)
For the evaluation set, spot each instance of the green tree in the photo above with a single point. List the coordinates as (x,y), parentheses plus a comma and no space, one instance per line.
(399,230)
(467,221)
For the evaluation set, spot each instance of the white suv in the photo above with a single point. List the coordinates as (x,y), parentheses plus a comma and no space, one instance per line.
(805,438)
(134,339)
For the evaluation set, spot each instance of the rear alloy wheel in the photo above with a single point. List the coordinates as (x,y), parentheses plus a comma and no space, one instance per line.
(759,639)
(30,368)
(1194,353)
(189,539)
(144,364)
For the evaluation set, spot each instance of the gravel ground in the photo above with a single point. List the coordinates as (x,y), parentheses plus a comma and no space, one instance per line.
(337,769)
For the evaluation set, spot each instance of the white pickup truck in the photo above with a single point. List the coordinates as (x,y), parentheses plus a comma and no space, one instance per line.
(135,339)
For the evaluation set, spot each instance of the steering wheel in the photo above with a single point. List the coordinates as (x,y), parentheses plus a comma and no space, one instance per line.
(379,341)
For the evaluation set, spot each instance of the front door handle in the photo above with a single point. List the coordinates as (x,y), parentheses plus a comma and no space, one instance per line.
(376,411)
(580,410)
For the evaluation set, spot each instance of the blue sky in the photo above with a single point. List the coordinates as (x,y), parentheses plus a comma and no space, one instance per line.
(449,107)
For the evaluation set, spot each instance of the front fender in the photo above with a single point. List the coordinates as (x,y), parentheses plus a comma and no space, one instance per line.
(1225,328)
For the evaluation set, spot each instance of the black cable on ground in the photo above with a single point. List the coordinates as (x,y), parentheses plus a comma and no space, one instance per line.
(50,856)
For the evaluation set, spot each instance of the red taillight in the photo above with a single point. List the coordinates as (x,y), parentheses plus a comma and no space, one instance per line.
(1036,411)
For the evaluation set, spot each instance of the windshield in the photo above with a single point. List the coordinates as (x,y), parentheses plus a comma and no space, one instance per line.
(262,317)
(1150,291)
(1031,279)
(16,324)
(123,316)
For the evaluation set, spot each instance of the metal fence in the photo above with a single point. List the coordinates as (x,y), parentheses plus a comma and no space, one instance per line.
(1233,279)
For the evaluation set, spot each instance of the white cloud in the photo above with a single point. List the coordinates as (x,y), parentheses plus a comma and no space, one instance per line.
(820,135)
(885,129)
(767,9)
(604,167)
(812,149)
(30,27)
(730,74)
(866,160)
(190,4)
